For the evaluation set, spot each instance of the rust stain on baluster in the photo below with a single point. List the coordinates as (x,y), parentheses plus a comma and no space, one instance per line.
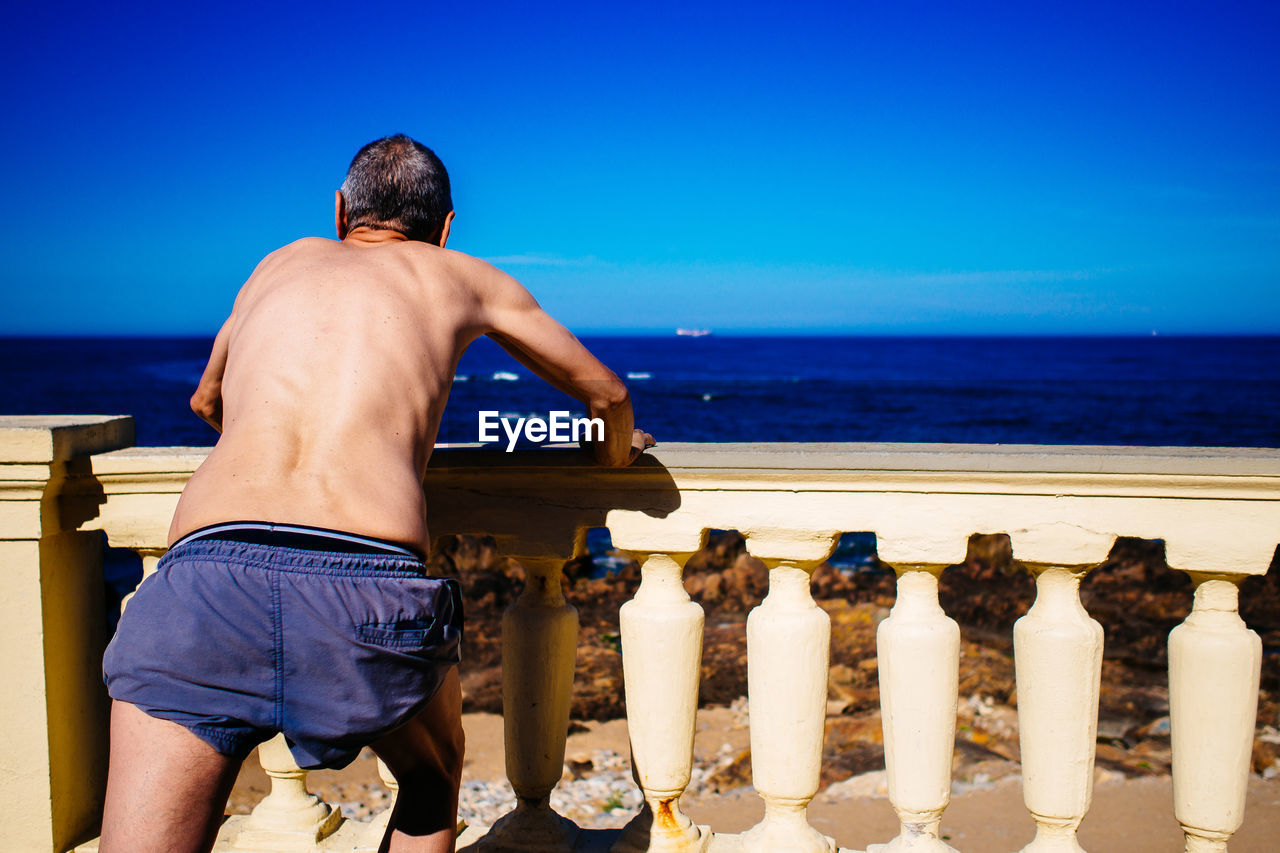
(663,816)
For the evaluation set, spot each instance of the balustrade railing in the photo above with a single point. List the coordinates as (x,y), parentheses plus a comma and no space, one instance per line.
(1217,510)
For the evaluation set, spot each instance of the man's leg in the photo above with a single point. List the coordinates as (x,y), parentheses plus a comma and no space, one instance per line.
(425,756)
(166,788)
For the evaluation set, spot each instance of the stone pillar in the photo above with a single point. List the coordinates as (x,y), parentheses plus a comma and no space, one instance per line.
(290,817)
(918,653)
(53,624)
(788,649)
(1058,654)
(1214,667)
(662,660)
(539,645)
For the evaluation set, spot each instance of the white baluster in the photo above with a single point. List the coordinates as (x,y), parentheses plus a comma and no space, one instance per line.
(539,642)
(377,827)
(1058,653)
(918,653)
(150,559)
(1214,667)
(662,657)
(788,649)
(290,817)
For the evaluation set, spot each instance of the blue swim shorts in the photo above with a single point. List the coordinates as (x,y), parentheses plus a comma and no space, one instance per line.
(329,639)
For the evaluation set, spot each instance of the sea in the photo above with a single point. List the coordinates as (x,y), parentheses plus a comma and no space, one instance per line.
(1151,390)
(1179,391)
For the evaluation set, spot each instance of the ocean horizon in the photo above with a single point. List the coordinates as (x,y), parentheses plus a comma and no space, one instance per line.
(1183,390)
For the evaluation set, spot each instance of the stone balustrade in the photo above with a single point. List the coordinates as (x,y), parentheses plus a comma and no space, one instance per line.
(1217,510)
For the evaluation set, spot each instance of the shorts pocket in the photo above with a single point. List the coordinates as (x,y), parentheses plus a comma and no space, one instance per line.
(402,634)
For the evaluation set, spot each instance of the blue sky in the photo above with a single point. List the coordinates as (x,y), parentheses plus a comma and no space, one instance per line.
(868,168)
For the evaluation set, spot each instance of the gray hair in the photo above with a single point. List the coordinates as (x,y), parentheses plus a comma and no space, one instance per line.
(398,184)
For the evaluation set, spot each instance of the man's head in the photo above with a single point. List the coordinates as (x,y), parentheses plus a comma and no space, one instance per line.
(396,184)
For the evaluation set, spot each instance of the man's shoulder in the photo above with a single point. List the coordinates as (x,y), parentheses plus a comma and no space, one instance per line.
(468,268)
(304,244)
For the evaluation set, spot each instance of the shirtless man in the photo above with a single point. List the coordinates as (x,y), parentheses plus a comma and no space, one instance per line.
(293,598)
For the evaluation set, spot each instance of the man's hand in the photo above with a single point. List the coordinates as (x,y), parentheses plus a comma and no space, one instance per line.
(640,442)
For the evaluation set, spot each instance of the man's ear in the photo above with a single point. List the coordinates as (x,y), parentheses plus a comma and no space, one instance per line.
(340,214)
(444,232)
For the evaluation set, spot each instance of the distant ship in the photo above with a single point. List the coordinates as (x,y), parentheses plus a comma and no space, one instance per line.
(693,333)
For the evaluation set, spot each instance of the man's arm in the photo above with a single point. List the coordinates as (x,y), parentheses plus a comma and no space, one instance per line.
(207,399)
(519,325)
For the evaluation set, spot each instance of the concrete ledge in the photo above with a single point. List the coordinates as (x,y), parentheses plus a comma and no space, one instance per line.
(1218,509)
(54,438)
(1049,458)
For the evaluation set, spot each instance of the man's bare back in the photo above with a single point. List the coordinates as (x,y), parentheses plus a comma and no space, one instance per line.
(330,377)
